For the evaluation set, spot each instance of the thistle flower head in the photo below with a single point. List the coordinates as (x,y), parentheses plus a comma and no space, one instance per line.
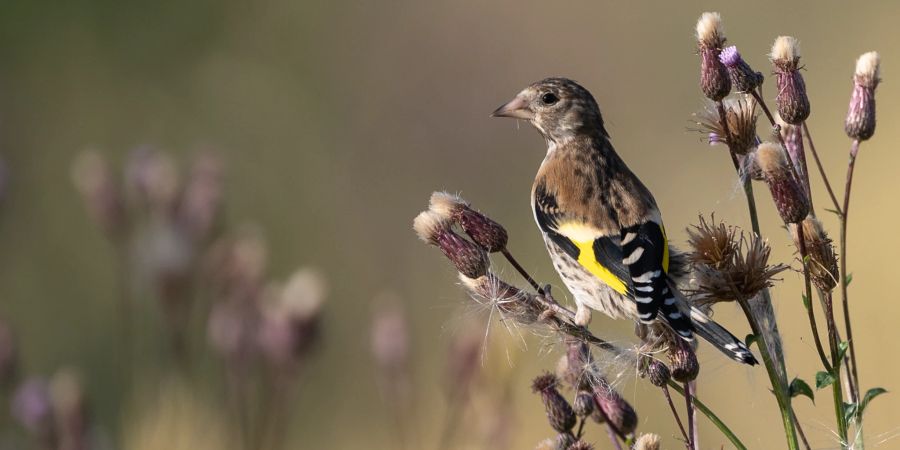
(729,265)
(709,30)
(743,78)
(860,123)
(447,205)
(792,101)
(647,442)
(584,404)
(822,260)
(559,413)
(740,115)
(614,408)
(683,359)
(790,198)
(469,259)
(656,371)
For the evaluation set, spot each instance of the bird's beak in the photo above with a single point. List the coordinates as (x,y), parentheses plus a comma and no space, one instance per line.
(517,108)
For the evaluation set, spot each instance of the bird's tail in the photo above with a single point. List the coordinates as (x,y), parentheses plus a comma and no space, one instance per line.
(721,338)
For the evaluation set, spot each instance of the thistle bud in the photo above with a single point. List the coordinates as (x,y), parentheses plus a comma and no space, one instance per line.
(743,78)
(790,198)
(487,233)
(469,259)
(559,413)
(578,357)
(647,442)
(860,122)
(683,360)
(741,115)
(583,404)
(614,408)
(657,372)
(792,135)
(792,101)
(822,261)
(714,79)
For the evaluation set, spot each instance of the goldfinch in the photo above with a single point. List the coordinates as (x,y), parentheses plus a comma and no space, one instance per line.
(600,224)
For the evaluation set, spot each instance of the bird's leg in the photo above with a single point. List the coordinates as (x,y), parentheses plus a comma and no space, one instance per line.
(582,315)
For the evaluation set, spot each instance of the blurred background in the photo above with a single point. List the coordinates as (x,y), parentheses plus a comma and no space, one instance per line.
(318,130)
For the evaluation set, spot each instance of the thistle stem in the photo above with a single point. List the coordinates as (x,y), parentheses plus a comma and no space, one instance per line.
(780,390)
(812,149)
(854,376)
(687,440)
(689,393)
(712,417)
(765,108)
(522,271)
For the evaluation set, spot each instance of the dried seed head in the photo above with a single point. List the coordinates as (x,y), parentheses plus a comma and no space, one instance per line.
(564,441)
(792,101)
(743,78)
(750,166)
(790,197)
(559,412)
(647,442)
(860,123)
(740,115)
(709,30)
(512,302)
(581,445)
(614,408)
(822,260)
(728,265)
(469,259)
(584,404)
(578,358)
(683,360)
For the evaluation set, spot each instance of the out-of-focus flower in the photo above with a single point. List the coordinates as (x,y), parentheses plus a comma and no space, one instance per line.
(101,193)
(462,362)
(71,411)
(390,336)
(291,318)
(32,406)
(860,123)
(202,197)
(792,101)
(152,177)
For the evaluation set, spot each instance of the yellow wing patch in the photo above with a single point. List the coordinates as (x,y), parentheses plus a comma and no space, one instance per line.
(588,261)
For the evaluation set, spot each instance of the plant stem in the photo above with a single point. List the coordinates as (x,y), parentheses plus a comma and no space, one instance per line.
(690,391)
(836,373)
(780,390)
(854,376)
(687,440)
(712,418)
(777,127)
(522,271)
(812,149)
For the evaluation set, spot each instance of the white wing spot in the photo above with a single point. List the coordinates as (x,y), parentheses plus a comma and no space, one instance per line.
(634,256)
(644,300)
(644,288)
(646,277)
(669,301)
(675,315)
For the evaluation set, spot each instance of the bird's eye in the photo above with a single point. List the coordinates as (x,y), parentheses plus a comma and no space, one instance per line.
(549,98)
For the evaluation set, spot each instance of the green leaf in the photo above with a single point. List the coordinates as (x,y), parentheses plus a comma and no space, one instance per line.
(800,387)
(849,279)
(834,211)
(850,410)
(823,379)
(750,339)
(870,394)
(805,301)
(842,350)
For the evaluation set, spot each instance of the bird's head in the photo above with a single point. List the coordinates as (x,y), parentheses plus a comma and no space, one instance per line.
(558,107)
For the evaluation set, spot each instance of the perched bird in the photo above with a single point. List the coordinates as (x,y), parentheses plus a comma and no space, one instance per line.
(600,224)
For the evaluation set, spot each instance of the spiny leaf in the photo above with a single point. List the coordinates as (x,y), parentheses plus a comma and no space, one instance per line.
(800,387)
(834,211)
(842,350)
(823,379)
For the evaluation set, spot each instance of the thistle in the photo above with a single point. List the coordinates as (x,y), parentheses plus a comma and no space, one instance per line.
(647,442)
(714,79)
(860,123)
(468,258)
(487,233)
(683,359)
(740,116)
(792,101)
(559,412)
(823,267)
(614,408)
(743,78)
(790,197)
